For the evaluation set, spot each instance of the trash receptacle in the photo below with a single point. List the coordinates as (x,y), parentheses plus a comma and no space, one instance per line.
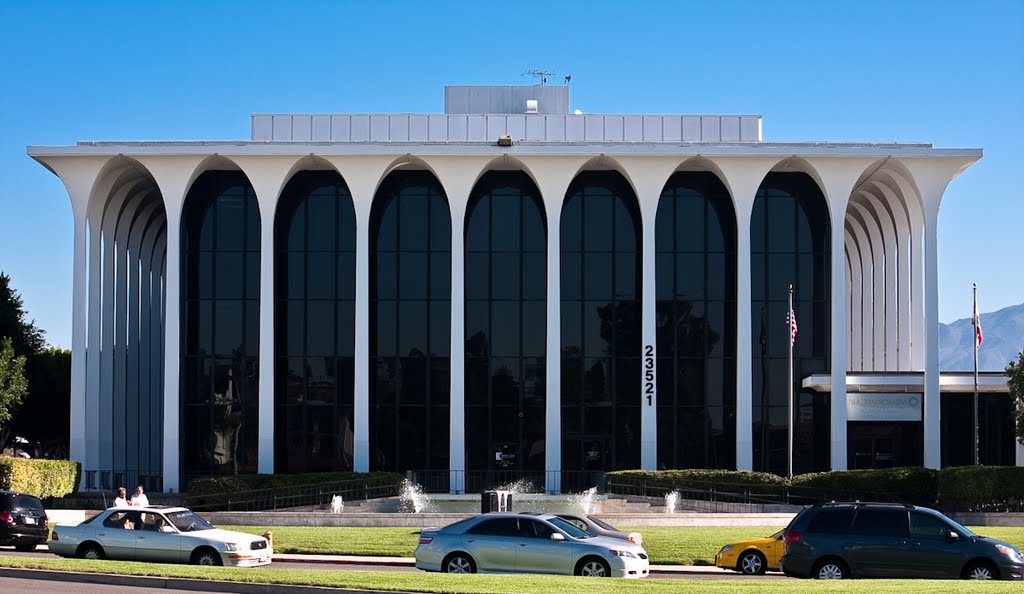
(495,501)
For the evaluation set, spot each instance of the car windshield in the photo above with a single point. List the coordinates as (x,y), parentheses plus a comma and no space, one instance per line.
(603,525)
(568,528)
(186,521)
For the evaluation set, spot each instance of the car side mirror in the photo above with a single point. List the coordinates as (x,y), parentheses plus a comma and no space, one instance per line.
(952,536)
(557,536)
(166,529)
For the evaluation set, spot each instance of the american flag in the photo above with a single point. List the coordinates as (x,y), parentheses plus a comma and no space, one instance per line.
(791,322)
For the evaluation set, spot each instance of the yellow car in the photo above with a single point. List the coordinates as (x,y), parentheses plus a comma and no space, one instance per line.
(752,557)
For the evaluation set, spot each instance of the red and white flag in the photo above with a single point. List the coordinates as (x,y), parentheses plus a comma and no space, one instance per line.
(976,322)
(791,322)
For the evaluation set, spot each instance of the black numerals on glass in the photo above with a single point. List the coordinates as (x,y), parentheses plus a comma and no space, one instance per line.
(649,374)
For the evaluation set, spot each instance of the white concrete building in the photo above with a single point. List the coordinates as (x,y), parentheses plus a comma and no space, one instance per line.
(507,288)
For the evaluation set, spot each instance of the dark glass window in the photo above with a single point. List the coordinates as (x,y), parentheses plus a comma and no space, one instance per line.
(496,527)
(924,525)
(831,521)
(790,244)
(505,324)
(696,323)
(314,324)
(220,257)
(995,429)
(601,324)
(410,324)
(880,522)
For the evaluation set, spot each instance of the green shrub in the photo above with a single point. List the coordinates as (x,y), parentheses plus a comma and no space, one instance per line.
(913,484)
(42,478)
(660,482)
(981,488)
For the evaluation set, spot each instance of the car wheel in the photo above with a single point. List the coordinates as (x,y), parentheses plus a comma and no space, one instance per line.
(91,551)
(981,570)
(752,563)
(206,557)
(593,567)
(459,563)
(25,547)
(830,569)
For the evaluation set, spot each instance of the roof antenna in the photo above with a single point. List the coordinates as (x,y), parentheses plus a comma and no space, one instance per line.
(541,75)
(568,79)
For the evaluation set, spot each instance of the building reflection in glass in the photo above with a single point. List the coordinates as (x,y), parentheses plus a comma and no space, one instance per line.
(220,327)
(601,331)
(410,324)
(789,242)
(506,322)
(696,323)
(314,324)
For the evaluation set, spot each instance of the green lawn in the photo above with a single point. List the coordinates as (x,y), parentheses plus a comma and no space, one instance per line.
(473,584)
(675,546)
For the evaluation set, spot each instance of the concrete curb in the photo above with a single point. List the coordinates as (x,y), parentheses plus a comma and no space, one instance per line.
(191,585)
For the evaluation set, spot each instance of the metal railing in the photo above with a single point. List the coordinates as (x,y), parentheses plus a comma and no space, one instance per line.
(524,481)
(318,494)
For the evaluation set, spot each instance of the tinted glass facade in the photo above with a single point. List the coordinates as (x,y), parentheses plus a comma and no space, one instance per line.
(410,324)
(789,242)
(996,441)
(696,323)
(601,331)
(314,323)
(220,325)
(506,324)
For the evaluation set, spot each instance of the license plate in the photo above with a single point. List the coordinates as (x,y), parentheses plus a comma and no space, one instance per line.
(29,520)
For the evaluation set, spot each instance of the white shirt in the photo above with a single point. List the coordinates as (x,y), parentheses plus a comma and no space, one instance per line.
(120,502)
(140,499)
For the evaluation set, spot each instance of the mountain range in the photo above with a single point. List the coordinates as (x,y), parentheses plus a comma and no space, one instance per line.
(1003,339)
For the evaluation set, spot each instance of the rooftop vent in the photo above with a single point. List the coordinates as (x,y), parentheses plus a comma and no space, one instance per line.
(531,106)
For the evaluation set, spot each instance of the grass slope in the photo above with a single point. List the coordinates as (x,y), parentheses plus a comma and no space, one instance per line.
(485,584)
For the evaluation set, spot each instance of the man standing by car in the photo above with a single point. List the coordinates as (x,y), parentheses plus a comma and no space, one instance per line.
(139,497)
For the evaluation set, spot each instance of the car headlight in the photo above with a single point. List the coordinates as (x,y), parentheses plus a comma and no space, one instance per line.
(1010,552)
(625,554)
(726,548)
(231,546)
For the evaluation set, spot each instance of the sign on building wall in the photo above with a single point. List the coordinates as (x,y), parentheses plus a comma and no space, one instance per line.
(883,407)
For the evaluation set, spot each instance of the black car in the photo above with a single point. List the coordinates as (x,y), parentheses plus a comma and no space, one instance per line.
(22,521)
(877,540)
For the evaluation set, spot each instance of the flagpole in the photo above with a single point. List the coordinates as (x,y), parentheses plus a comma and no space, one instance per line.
(974,323)
(789,386)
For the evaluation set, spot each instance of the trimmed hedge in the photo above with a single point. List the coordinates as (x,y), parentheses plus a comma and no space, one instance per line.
(42,478)
(697,476)
(913,484)
(982,488)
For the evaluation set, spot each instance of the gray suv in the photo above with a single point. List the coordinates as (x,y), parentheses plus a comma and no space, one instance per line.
(877,540)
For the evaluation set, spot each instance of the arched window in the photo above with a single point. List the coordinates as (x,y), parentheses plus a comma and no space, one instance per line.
(789,243)
(220,327)
(410,324)
(314,324)
(506,324)
(696,323)
(601,324)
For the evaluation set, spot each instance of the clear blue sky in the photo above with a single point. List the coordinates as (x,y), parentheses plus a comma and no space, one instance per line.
(949,73)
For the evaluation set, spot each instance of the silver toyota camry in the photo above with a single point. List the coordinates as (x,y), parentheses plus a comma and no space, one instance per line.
(527,543)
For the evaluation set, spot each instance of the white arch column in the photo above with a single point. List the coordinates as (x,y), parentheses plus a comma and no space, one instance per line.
(457,176)
(80,176)
(553,176)
(173,174)
(743,176)
(362,175)
(267,174)
(864,330)
(932,177)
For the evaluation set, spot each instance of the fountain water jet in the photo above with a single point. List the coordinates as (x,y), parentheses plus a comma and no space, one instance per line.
(583,502)
(670,502)
(413,499)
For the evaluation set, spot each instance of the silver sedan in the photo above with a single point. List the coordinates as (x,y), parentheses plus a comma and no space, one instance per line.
(158,533)
(527,543)
(596,527)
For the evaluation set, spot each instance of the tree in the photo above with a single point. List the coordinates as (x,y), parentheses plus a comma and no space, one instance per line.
(45,415)
(1015,372)
(13,385)
(25,337)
